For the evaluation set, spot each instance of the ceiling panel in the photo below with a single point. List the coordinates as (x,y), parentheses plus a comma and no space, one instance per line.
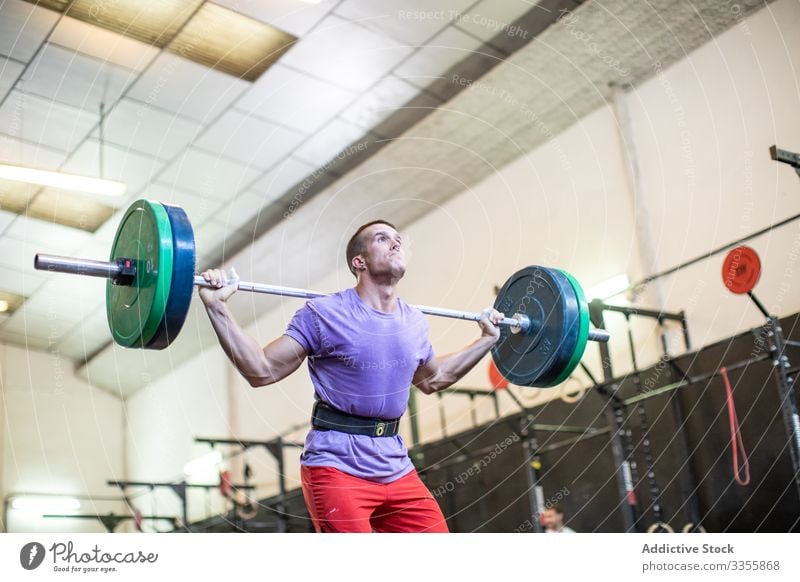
(75,79)
(29,342)
(420,107)
(432,61)
(16,196)
(117,362)
(87,338)
(230,42)
(346,54)
(46,234)
(6,218)
(24,284)
(67,310)
(15,151)
(50,325)
(293,16)
(9,73)
(379,102)
(154,22)
(105,234)
(293,99)
(328,142)
(249,140)
(73,209)
(186,88)
(240,210)
(23,27)
(207,238)
(209,174)
(141,127)
(18,254)
(43,121)
(411,22)
(124,165)
(491,17)
(285,175)
(94,249)
(102,44)
(84,290)
(198,208)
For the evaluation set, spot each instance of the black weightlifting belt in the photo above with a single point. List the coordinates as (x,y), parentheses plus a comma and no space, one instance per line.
(326,417)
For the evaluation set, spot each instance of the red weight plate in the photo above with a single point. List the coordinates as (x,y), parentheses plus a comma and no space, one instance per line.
(741,270)
(496,379)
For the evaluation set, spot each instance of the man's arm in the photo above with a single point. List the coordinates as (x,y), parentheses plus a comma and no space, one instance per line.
(259,366)
(444,371)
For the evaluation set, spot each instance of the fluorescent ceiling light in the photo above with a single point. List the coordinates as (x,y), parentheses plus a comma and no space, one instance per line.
(230,42)
(200,31)
(45,504)
(10,302)
(203,463)
(608,288)
(62,181)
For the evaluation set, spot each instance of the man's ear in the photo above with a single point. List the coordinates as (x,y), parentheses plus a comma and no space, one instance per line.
(359,263)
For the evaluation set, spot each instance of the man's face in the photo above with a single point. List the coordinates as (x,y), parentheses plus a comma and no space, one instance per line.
(551,519)
(383,254)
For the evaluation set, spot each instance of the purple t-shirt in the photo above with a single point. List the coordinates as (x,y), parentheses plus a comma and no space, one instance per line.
(361,361)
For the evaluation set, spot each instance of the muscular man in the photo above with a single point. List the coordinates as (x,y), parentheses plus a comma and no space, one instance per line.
(365,347)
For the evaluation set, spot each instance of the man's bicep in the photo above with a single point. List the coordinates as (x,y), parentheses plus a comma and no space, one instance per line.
(284,355)
(425,374)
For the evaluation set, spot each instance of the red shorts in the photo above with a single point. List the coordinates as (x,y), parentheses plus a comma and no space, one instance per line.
(338,502)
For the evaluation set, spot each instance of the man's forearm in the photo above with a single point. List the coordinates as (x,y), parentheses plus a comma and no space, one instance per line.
(245,353)
(453,367)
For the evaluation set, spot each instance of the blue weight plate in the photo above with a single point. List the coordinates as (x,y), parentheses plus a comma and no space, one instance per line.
(183,268)
(536,358)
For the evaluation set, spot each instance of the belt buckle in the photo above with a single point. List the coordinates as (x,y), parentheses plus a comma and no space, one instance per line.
(380,428)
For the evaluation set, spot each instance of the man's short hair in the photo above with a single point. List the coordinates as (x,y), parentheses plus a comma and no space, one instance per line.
(355,246)
(557,508)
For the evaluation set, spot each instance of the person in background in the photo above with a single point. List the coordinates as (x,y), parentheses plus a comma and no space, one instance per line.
(553,520)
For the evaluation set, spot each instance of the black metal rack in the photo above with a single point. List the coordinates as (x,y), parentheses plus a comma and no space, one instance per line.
(179,488)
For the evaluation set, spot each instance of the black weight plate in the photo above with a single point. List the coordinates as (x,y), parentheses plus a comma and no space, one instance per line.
(536,358)
(183,268)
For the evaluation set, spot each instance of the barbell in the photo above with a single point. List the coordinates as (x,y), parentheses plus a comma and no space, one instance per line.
(151,277)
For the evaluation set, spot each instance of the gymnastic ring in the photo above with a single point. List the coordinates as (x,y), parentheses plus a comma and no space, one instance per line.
(660,525)
(564,395)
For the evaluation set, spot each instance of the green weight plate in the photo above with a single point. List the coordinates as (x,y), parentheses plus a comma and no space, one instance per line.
(583,331)
(145,236)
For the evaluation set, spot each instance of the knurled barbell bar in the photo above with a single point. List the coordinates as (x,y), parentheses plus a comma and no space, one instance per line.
(151,276)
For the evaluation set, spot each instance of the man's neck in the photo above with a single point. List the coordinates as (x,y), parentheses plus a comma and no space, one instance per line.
(380,295)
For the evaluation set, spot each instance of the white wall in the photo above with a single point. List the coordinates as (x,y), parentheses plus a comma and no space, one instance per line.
(703,128)
(60,436)
(163,420)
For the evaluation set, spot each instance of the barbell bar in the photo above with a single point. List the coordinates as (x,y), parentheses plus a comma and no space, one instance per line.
(117,271)
(151,274)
